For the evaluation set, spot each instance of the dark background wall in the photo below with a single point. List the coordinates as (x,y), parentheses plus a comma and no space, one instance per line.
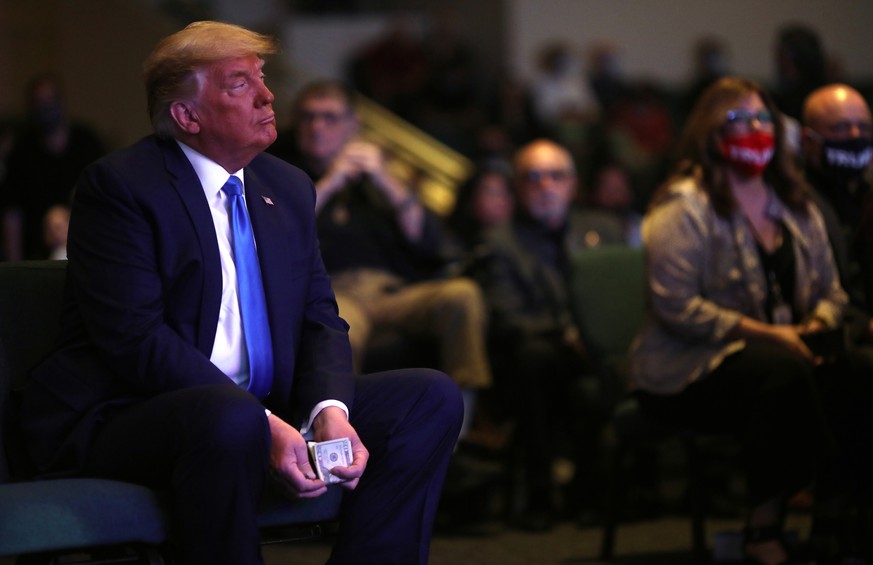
(98,45)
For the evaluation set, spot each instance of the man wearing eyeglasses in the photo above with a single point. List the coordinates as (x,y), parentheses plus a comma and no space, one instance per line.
(836,143)
(539,355)
(384,251)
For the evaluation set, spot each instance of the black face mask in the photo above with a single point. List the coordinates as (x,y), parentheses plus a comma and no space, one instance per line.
(845,160)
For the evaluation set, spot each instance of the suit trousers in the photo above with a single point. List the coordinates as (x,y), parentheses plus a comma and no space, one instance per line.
(209,447)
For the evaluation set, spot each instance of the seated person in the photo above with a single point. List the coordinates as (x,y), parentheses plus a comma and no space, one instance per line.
(44,161)
(193,361)
(610,190)
(485,200)
(740,275)
(836,144)
(382,248)
(535,343)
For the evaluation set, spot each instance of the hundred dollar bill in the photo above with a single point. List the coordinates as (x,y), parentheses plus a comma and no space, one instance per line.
(328,454)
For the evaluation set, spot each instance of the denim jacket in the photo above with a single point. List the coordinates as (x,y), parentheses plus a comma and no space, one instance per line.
(704,273)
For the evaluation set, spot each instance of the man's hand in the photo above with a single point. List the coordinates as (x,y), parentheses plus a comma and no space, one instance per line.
(357,159)
(289,461)
(354,160)
(363,158)
(331,423)
(360,158)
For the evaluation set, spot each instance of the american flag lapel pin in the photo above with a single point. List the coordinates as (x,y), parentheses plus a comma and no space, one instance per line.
(268,200)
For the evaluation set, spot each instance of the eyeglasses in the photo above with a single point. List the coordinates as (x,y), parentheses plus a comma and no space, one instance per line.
(329,118)
(741,120)
(555,175)
(847,128)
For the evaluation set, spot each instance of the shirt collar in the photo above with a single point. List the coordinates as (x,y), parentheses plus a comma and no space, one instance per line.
(212,175)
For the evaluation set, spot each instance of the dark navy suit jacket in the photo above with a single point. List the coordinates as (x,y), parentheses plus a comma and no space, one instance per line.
(143,294)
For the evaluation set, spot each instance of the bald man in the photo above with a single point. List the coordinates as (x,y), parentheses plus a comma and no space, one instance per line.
(836,143)
(536,343)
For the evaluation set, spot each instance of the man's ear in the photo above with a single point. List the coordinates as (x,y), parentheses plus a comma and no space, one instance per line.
(575,187)
(185,117)
(810,142)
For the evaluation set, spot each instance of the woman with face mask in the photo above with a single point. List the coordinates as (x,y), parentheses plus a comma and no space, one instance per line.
(740,275)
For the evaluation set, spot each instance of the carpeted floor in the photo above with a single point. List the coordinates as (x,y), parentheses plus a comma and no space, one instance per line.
(664,541)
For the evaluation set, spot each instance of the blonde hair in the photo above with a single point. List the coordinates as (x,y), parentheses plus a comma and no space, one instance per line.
(170,71)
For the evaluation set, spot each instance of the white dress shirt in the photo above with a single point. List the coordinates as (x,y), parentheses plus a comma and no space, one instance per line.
(229,352)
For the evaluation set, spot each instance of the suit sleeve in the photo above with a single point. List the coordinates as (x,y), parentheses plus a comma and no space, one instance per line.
(324,369)
(310,341)
(122,285)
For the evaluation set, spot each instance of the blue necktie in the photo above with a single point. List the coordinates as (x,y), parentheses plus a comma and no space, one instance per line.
(253,306)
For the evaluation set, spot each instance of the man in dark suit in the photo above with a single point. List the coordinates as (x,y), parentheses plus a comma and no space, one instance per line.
(149,383)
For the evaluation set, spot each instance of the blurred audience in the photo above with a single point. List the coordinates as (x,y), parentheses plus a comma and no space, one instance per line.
(451,98)
(563,101)
(610,190)
(605,73)
(392,69)
(710,62)
(7,141)
(538,355)
(42,167)
(485,201)
(384,251)
(801,67)
(640,135)
(510,118)
(741,284)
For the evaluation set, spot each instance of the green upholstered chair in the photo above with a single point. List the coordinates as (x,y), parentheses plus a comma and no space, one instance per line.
(608,301)
(95,520)
(609,296)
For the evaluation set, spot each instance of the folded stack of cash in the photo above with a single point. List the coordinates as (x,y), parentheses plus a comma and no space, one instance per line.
(326,455)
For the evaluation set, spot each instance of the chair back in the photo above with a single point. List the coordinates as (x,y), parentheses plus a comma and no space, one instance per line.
(608,299)
(31,295)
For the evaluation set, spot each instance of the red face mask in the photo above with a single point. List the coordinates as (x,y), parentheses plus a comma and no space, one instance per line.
(749,153)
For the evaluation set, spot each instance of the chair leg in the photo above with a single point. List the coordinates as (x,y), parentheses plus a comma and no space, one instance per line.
(697,500)
(615,502)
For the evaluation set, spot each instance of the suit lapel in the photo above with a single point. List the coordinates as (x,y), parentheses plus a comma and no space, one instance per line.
(266,218)
(187,186)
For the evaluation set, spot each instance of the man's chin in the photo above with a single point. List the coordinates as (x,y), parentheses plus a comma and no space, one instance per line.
(269,139)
